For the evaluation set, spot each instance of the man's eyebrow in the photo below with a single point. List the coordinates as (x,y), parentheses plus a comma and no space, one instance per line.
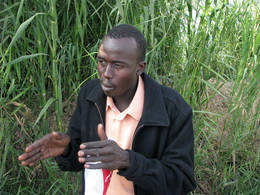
(117,61)
(99,57)
(114,61)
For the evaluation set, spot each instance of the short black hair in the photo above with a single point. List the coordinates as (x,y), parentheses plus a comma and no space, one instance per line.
(129,31)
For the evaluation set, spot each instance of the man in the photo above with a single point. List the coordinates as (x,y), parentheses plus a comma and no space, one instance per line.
(125,122)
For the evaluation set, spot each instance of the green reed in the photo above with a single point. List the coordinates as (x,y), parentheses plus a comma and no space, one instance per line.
(206,50)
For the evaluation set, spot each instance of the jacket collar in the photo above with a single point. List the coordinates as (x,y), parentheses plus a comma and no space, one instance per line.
(154,111)
(97,96)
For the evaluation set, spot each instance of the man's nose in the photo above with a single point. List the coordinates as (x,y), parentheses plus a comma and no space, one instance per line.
(108,71)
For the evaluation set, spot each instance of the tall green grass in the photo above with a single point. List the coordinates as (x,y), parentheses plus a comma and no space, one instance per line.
(207,50)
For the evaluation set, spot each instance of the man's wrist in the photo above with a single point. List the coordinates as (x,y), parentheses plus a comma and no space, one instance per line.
(127,162)
(66,151)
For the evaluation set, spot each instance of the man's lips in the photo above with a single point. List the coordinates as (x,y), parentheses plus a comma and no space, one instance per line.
(106,86)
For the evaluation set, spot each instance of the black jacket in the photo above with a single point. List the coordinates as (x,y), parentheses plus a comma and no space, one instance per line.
(162,150)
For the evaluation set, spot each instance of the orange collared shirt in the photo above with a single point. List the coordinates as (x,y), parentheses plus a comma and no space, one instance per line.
(120,127)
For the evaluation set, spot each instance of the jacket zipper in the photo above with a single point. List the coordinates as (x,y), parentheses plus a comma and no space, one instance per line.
(102,121)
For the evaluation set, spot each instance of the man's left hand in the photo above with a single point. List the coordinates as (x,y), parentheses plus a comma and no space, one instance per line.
(104,154)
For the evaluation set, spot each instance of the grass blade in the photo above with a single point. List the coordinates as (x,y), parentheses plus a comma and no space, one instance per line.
(45,108)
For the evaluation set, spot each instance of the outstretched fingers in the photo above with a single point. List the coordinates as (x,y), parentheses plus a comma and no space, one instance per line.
(34,152)
(38,143)
(28,155)
(31,158)
(51,145)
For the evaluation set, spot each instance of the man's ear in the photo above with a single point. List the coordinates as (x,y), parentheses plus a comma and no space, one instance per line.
(140,68)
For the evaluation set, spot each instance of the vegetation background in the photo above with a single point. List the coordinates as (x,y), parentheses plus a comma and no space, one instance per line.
(207,50)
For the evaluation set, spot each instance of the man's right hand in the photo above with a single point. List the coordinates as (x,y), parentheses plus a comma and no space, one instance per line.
(51,145)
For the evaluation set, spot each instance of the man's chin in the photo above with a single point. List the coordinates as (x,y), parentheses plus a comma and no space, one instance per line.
(108,92)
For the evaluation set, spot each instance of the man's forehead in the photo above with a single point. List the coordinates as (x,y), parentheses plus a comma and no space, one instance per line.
(123,49)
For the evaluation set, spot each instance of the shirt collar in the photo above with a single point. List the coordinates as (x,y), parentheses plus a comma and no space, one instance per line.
(136,106)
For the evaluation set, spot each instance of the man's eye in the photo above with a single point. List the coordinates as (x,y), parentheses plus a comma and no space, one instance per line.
(117,66)
(102,62)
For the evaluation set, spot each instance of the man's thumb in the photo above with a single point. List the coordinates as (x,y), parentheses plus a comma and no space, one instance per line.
(101,132)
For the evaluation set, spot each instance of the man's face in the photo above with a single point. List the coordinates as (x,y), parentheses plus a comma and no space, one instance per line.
(118,66)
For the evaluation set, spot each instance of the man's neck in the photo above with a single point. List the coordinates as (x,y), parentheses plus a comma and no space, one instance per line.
(123,102)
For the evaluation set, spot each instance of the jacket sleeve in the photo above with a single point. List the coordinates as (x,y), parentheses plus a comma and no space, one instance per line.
(172,174)
(70,161)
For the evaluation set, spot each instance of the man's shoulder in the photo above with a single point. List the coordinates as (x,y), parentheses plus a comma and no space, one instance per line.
(172,97)
(90,84)
(170,93)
